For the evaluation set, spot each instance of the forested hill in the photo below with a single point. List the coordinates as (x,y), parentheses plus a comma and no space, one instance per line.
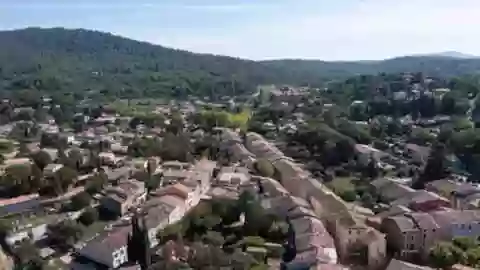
(51,59)
(58,59)
(432,65)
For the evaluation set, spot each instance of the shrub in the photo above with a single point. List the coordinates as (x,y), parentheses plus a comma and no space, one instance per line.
(349,196)
(80,201)
(256,241)
(89,217)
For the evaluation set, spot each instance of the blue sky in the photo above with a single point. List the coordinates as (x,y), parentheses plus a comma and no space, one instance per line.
(269,29)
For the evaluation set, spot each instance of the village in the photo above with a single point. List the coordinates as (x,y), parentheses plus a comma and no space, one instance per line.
(155,191)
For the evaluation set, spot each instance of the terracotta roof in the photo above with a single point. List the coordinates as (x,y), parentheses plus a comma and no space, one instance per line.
(272,186)
(156,211)
(100,249)
(394,191)
(447,218)
(419,196)
(172,200)
(125,189)
(298,212)
(393,211)
(308,241)
(424,221)
(371,236)
(403,223)
(306,225)
(118,173)
(182,189)
(402,265)
(174,165)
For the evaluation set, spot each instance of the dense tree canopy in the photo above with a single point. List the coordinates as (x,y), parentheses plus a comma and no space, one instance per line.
(103,66)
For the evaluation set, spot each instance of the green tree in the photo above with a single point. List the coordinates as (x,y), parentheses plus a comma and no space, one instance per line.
(17,178)
(465,243)
(88,217)
(41,159)
(444,255)
(264,168)
(65,177)
(27,256)
(81,200)
(213,238)
(473,257)
(75,159)
(96,183)
(64,234)
(5,228)
(348,195)
(367,200)
(6,146)
(421,137)
(436,167)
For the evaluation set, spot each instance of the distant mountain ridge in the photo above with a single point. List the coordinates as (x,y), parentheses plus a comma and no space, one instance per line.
(58,59)
(451,54)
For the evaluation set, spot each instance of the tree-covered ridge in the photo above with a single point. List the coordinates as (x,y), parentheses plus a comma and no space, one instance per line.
(75,60)
(432,65)
(61,60)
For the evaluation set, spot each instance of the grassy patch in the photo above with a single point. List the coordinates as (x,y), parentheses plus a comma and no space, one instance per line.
(340,185)
(135,108)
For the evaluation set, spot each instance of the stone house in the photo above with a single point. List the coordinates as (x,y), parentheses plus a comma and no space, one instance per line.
(458,223)
(353,239)
(178,204)
(158,215)
(106,251)
(411,235)
(403,237)
(190,195)
(390,190)
(123,197)
(424,201)
(107,158)
(417,153)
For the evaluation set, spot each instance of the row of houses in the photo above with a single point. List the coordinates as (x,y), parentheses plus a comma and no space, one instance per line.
(412,234)
(312,243)
(165,206)
(417,219)
(350,234)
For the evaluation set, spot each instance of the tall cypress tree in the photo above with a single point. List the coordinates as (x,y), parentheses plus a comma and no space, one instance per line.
(138,243)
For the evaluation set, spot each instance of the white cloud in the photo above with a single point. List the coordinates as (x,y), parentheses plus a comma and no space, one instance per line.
(348,29)
(175,6)
(371,29)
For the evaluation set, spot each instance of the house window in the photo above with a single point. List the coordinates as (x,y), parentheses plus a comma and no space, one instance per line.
(470,227)
(119,257)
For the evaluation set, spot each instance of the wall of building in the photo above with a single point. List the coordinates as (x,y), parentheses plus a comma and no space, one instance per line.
(112,206)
